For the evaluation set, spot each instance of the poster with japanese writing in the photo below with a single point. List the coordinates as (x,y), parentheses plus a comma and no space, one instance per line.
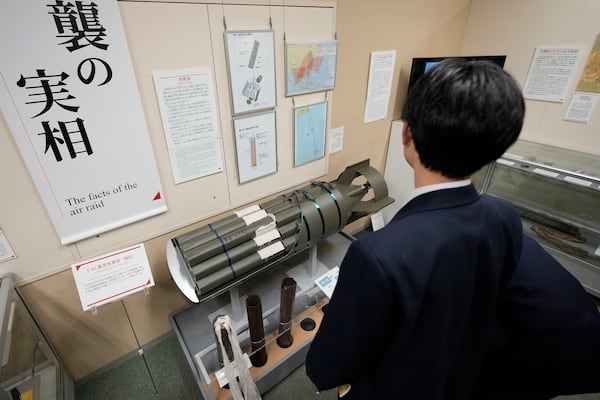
(188,109)
(69,96)
(551,72)
(110,277)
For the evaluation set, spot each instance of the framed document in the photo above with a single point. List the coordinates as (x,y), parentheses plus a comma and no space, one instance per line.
(255,146)
(251,65)
(310,125)
(310,67)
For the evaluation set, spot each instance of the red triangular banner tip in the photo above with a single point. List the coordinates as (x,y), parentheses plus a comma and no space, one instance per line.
(157,197)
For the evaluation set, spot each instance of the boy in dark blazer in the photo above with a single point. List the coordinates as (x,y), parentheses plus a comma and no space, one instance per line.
(414,314)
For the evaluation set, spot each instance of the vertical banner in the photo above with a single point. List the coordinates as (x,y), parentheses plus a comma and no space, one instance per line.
(69,96)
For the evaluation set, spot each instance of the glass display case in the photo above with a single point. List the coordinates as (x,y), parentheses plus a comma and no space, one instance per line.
(557,194)
(30,368)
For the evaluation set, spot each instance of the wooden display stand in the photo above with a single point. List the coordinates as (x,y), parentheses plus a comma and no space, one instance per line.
(275,353)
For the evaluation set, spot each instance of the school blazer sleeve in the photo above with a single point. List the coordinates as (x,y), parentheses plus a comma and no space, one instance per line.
(349,338)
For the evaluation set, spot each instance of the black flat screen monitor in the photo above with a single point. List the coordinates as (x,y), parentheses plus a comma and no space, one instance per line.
(424,64)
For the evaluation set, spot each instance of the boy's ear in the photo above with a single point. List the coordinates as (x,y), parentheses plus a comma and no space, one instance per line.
(406,134)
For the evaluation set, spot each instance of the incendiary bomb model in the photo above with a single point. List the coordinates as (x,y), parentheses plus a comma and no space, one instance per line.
(214,256)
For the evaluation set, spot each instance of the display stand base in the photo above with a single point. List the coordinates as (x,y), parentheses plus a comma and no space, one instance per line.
(281,362)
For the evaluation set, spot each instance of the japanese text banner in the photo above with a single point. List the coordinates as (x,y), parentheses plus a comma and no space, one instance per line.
(69,96)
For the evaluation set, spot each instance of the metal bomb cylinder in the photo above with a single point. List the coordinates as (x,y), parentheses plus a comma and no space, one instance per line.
(262,235)
(224,242)
(256,329)
(286,306)
(236,220)
(247,221)
(225,275)
(324,215)
(245,249)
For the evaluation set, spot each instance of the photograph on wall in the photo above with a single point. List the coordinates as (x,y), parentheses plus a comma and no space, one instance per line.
(310,126)
(255,146)
(251,64)
(310,67)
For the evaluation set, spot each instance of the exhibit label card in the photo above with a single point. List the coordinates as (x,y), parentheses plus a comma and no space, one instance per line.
(327,281)
(112,276)
(381,73)
(336,140)
(70,99)
(582,107)
(550,72)
(6,252)
(188,109)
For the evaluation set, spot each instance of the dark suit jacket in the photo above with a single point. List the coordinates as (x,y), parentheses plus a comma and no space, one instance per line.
(413,310)
(549,344)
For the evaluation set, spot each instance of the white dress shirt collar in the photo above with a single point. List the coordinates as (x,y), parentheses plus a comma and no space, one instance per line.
(438,186)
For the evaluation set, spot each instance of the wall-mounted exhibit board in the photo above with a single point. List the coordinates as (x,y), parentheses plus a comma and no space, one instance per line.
(164,36)
(516,28)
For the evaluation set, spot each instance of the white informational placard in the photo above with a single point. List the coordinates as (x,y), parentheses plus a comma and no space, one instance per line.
(582,107)
(255,146)
(251,63)
(550,72)
(70,98)
(310,125)
(328,280)
(381,73)
(336,140)
(6,252)
(188,109)
(377,221)
(112,276)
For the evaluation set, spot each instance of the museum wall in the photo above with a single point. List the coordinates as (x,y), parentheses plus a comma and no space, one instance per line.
(413,28)
(516,28)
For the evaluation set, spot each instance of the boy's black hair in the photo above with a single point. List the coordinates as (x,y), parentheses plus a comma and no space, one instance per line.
(463,115)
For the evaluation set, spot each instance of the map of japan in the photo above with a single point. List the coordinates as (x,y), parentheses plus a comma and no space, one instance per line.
(311,67)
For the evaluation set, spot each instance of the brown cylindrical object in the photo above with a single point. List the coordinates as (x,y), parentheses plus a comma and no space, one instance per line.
(288,295)
(257,331)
